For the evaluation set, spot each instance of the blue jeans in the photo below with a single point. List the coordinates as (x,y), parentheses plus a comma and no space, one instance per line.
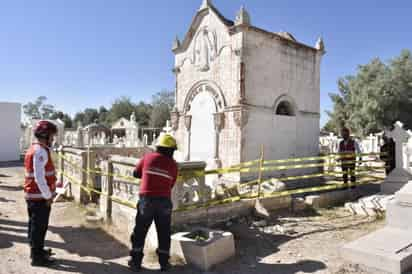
(159,210)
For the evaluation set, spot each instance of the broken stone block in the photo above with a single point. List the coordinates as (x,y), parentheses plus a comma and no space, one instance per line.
(203,247)
(298,204)
(261,223)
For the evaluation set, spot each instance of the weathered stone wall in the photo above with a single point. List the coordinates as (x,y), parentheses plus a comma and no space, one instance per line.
(122,188)
(222,75)
(74,165)
(250,72)
(277,71)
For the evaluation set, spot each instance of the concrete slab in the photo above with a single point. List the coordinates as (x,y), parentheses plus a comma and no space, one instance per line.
(391,187)
(395,181)
(388,249)
(404,195)
(399,215)
(329,199)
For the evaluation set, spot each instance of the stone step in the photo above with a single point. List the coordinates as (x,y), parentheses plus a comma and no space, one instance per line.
(370,205)
(359,209)
(388,249)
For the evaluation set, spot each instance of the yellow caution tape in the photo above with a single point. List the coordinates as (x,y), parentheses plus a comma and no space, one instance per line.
(126,178)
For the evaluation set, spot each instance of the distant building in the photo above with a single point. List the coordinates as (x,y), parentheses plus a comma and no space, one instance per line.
(10,121)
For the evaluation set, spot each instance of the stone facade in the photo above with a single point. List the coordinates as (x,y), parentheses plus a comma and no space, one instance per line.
(239,87)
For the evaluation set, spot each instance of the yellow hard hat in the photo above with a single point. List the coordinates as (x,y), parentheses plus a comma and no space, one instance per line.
(166,140)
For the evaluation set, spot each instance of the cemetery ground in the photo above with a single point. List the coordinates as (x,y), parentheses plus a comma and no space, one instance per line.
(305,242)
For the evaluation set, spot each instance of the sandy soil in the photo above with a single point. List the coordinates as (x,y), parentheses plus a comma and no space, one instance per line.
(286,244)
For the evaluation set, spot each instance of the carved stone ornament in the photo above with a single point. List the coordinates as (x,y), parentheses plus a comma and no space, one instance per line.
(188,122)
(205,49)
(203,88)
(174,117)
(240,118)
(219,121)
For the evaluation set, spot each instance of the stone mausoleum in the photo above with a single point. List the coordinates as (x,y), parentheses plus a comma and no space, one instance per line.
(239,87)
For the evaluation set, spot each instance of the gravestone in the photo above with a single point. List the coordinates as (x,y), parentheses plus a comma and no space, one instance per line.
(388,249)
(399,176)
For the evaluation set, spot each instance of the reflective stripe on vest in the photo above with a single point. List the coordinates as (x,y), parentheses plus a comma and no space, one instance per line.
(159,174)
(47,173)
(34,195)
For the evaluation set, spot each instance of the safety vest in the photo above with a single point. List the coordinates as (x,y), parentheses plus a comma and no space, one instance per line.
(32,192)
(349,147)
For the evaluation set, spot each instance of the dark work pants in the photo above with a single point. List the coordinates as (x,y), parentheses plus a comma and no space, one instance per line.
(159,210)
(39,213)
(349,170)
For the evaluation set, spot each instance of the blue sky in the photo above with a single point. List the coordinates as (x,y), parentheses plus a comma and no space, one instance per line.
(86,53)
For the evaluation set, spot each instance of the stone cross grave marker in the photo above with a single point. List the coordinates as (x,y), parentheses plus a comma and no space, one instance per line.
(400,136)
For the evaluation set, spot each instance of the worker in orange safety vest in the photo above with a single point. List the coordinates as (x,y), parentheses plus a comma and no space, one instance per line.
(39,190)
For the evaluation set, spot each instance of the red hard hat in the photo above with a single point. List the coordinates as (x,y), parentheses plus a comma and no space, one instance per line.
(44,129)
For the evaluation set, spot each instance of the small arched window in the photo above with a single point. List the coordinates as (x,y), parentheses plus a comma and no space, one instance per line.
(285,108)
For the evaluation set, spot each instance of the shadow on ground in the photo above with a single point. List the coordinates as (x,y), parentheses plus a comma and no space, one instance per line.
(76,240)
(12,164)
(4,200)
(11,188)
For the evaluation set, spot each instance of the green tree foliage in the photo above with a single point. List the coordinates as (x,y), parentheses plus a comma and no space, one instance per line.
(154,114)
(87,117)
(373,99)
(143,111)
(68,122)
(162,104)
(40,110)
(122,107)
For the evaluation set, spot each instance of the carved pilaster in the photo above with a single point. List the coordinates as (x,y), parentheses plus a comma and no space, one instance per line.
(219,121)
(188,122)
(240,117)
(174,117)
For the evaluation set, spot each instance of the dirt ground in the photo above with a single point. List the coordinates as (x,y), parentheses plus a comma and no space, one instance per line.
(305,243)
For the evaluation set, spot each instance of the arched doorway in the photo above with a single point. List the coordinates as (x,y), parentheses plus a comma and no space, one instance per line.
(202,138)
(203,107)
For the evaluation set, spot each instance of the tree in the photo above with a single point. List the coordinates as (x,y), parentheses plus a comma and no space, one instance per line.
(68,122)
(143,112)
(38,109)
(122,107)
(377,96)
(162,104)
(103,116)
(329,127)
(87,117)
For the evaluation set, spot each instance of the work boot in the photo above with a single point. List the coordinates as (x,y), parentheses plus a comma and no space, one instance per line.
(47,252)
(135,262)
(165,267)
(164,262)
(41,260)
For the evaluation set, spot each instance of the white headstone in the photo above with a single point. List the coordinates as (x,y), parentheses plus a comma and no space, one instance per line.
(145,139)
(399,176)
